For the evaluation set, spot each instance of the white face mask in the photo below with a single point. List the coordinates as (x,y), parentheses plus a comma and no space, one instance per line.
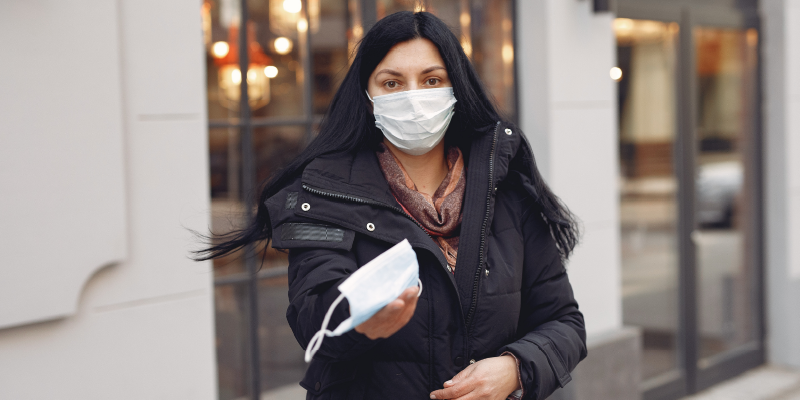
(371,288)
(415,120)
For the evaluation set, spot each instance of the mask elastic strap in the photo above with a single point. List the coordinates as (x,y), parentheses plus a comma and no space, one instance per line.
(316,340)
(370,98)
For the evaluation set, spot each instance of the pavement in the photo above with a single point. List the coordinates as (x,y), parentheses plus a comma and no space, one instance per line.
(764,383)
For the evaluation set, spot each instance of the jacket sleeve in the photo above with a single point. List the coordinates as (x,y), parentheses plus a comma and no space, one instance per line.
(551,329)
(314,276)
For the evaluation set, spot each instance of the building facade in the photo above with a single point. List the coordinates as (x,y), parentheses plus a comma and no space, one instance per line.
(669,128)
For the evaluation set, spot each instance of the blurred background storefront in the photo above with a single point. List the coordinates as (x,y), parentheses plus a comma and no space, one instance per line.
(690,189)
(670,128)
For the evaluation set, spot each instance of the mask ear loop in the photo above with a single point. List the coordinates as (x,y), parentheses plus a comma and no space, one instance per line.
(370,98)
(316,340)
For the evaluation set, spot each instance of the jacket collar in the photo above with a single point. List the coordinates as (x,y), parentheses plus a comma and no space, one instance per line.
(358,174)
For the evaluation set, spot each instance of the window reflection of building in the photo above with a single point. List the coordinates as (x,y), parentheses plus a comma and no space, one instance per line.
(297,60)
(647,56)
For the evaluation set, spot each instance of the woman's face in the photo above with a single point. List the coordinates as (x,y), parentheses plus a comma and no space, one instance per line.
(415,64)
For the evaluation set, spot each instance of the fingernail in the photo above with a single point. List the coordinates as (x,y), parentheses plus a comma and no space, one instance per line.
(448,383)
(433,396)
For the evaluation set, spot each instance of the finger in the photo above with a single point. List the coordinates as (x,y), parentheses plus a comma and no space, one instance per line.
(395,306)
(390,312)
(458,389)
(473,395)
(410,292)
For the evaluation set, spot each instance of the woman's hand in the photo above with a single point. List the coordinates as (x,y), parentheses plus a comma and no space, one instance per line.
(391,318)
(491,379)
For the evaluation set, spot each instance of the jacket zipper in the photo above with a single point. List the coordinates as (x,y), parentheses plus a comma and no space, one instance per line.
(478,271)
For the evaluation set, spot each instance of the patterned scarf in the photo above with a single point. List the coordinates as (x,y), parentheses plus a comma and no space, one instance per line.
(440,215)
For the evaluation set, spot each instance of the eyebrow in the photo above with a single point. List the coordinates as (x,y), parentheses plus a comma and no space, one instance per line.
(395,73)
(431,69)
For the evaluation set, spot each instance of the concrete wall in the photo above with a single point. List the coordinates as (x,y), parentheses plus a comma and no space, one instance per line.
(568,111)
(104,167)
(781,64)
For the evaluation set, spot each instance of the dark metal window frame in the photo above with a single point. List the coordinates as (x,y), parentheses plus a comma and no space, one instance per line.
(690,14)
(245,123)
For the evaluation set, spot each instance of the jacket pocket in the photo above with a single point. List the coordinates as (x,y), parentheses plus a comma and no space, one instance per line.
(324,376)
(554,359)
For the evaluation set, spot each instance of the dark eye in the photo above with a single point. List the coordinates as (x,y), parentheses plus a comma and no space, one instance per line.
(391,84)
(433,81)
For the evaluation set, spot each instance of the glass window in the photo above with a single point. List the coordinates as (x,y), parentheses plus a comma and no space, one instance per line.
(725,188)
(647,56)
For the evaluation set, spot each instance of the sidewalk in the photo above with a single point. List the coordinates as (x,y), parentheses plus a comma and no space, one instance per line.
(765,383)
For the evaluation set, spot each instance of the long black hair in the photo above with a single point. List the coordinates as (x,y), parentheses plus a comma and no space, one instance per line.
(349,125)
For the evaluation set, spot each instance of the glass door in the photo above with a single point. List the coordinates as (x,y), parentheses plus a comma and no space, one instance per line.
(647,58)
(689,193)
(726,188)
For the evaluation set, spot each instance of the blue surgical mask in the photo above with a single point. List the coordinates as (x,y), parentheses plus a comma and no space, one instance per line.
(371,288)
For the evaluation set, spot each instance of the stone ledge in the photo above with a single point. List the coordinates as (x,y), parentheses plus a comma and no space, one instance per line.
(610,371)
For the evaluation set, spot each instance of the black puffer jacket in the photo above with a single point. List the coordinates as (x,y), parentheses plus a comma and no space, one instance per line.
(510,291)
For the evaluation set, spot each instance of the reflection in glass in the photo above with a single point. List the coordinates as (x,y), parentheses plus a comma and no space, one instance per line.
(726,61)
(274,147)
(224,162)
(493,51)
(388,7)
(646,53)
(280,28)
(329,51)
(282,362)
(233,351)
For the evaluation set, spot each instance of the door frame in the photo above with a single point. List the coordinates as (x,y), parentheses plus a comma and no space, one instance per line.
(689,14)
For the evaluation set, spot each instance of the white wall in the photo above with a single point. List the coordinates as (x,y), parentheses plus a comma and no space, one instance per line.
(568,111)
(781,62)
(61,165)
(87,70)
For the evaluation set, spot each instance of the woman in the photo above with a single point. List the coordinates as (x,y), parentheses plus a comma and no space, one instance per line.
(411,148)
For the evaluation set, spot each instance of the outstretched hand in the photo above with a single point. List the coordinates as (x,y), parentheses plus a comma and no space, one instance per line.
(391,318)
(490,379)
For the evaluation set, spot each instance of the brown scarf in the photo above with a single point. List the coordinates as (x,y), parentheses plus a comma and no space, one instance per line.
(440,215)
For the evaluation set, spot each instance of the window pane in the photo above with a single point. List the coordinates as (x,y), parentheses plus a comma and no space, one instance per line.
(224,163)
(282,363)
(725,188)
(220,30)
(274,147)
(646,52)
(329,51)
(233,349)
(493,51)
(278,40)
(388,7)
